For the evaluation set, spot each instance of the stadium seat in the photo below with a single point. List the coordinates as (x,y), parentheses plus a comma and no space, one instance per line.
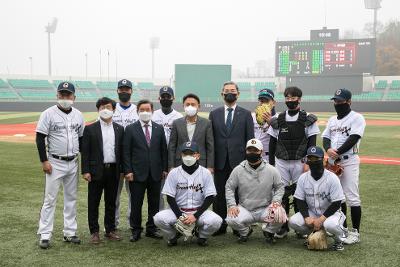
(107,85)
(7,94)
(381,84)
(393,96)
(84,84)
(27,83)
(3,84)
(86,95)
(246,86)
(395,84)
(145,85)
(262,85)
(37,94)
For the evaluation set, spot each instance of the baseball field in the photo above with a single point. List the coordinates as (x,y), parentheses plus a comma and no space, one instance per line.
(21,193)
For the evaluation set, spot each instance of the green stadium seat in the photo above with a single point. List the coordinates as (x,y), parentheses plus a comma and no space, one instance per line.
(381,84)
(3,84)
(107,85)
(395,84)
(244,86)
(7,94)
(109,93)
(30,84)
(86,95)
(262,85)
(41,94)
(145,85)
(393,96)
(84,84)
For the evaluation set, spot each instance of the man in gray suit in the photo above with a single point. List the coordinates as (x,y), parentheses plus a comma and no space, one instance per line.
(191,128)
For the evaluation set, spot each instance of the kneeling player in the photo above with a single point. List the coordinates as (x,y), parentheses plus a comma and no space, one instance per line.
(319,196)
(258,185)
(190,191)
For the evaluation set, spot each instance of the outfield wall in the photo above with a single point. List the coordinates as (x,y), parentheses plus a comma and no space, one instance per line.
(379,106)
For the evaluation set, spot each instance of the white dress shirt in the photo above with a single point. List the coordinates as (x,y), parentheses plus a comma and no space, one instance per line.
(227,111)
(107,132)
(144,128)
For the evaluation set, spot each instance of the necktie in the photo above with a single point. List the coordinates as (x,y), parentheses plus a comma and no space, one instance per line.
(147,134)
(229,119)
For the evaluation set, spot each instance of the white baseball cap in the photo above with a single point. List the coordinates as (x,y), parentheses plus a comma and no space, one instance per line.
(254,143)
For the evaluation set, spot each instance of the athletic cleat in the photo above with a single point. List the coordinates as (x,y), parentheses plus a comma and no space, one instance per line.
(243,239)
(202,242)
(44,243)
(174,241)
(338,246)
(269,238)
(353,237)
(72,239)
(282,233)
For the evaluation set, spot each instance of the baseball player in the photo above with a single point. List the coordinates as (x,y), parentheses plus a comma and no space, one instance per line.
(341,140)
(190,190)
(61,127)
(292,132)
(258,184)
(261,131)
(319,196)
(125,113)
(165,116)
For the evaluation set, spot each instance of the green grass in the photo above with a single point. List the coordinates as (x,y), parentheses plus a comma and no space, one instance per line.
(21,194)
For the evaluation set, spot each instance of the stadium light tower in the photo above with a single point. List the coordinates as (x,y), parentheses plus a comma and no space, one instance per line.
(50,28)
(375,5)
(154,44)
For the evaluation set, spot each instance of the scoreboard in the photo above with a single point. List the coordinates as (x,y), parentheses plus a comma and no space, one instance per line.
(320,58)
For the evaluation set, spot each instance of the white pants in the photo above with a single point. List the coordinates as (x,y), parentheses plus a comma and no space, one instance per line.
(117,201)
(245,218)
(290,170)
(65,173)
(350,180)
(208,223)
(333,224)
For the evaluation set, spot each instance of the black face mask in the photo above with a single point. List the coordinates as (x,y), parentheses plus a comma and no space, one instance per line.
(166,103)
(230,98)
(124,97)
(342,109)
(253,157)
(292,104)
(316,168)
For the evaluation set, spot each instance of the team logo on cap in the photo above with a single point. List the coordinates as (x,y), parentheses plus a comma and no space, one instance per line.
(338,92)
(165,88)
(124,81)
(188,144)
(65,85)
(313,150)
(253,142)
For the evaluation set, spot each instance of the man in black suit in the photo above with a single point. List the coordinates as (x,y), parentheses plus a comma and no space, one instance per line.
(232,128)
(101,159)
(145,164)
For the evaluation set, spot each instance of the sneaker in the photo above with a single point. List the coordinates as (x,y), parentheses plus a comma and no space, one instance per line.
(44,243)
(338,246)
(353,237)
(174,241)
(282,233)
(244,238)
(72,239)
(202,242)
(301,236)
(269,237)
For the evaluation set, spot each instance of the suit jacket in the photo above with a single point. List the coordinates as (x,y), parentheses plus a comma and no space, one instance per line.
(139,158)
(203,136)
(231,143)
(92,150)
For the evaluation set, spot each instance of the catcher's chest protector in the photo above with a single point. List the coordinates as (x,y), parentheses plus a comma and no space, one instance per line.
(292,139)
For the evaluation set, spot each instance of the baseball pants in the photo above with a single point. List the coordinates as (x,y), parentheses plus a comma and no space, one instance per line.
(350,180)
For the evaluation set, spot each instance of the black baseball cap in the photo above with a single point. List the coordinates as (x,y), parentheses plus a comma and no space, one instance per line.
(266,93)
(125,83)
(166,90)
(315,151)
(66,86)
(191,146)
(342,94)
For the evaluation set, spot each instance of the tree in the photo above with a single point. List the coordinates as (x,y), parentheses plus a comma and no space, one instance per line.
(388,50)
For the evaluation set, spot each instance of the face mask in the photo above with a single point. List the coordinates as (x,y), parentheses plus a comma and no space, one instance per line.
(342,109)
(253,157)
(145,116)
(166,103)
(189,160)
(190,111)
(124,97)
(65,103)
(230,98)
(316,168)
(105,114)
(292,104)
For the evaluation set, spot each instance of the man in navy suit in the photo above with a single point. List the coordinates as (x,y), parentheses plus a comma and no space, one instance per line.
(232,128)
(145,164)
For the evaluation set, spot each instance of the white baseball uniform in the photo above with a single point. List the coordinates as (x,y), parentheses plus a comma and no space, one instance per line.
(124,117)
(189,191)
(63,132)
(338,131)
(261,133)
(291,170)
(319,195)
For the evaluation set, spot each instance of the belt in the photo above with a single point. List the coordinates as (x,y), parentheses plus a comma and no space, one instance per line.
(64,158)
(344,157)
(109,165)
(189,210)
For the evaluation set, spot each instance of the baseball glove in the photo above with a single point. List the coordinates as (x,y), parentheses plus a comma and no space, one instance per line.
(317,240)
(275,213)
(260,110)
(334,167)
(186,230)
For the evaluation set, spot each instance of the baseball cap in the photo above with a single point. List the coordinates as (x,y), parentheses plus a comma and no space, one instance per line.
(315,151)
(125,83)
(166,90)
(342,94)
(66,86)
(254,143)
(266,93)
(191,146)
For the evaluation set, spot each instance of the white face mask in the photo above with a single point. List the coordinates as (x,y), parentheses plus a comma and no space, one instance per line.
(190,111)
(105,114)
(189,160)
(145,116)
(65,103)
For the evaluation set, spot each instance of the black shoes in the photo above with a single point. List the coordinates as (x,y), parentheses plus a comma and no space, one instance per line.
(202,242)
(269,238)
(135,236)
(44,243)
(72,239)
(243,239)
(155,235)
